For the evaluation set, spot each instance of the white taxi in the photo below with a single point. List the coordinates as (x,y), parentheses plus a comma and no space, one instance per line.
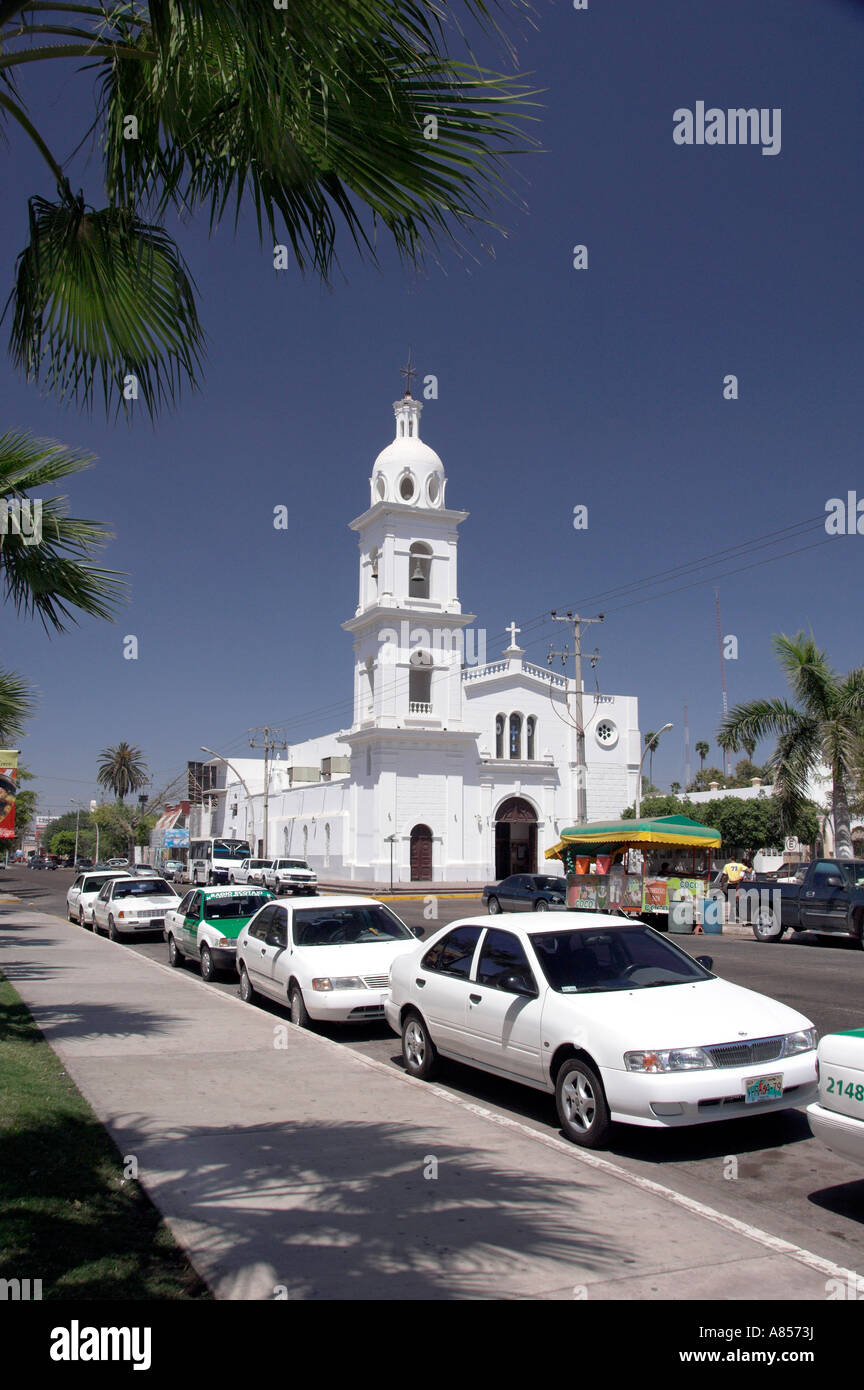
(84,891)
(837,1116)
(132,904)
(605,1013)
(329,959)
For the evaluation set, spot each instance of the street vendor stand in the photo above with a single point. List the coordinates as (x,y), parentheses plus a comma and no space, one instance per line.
(658,870)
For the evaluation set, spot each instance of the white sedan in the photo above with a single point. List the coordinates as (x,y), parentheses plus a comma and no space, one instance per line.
(132,904)
(606,1013)
(329,959)
(837,1117)
(250,871)
(83,893)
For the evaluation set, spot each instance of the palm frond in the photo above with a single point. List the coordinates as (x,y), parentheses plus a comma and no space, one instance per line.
(102,295)
(52,577)
(808,672)
(754,720)
(18,703)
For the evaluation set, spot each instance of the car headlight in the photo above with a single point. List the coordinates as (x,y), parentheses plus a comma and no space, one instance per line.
(802,1041)
(338,982)
(226,943)
(670,1059)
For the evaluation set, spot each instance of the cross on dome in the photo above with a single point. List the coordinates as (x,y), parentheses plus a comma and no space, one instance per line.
(408,372)
(513,629)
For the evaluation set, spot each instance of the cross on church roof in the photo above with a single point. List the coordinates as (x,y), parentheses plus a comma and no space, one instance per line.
(408,372)
(513,629)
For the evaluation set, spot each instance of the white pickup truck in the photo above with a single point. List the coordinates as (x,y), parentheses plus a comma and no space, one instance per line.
(290,876)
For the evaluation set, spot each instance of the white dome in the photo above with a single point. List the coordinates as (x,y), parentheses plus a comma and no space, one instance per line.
(408,471)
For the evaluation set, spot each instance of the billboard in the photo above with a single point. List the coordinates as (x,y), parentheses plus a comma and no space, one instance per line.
(8,791)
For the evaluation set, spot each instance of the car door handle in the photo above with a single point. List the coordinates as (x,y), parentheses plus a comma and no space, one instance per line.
(809,895)
(476,998)
(420,983)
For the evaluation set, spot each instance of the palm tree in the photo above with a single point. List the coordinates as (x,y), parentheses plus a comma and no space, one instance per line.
(651,741)
(122,770)
(822,729)
(17,704)
(675,788)
(325,121)
(703,749)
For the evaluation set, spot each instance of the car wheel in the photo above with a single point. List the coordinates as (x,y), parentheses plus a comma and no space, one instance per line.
(247,993)
(418,1050)
(231,878)
(541,905)
(299,1012)
(112,930)
(208,969)
(175,956)
(767,926)
(494,906)
(581,1103)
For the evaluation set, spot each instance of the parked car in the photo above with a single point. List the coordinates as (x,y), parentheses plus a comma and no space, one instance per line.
(290,876)
(205,925)
(118,863)
(837,1116)
(83,893)
(326,960)
(84,863)
(526,893)
(172,869)
(608,1014)
(250,871)
(826,896)
(131,903)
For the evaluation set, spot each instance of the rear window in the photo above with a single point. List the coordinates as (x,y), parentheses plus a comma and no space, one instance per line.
(144,888)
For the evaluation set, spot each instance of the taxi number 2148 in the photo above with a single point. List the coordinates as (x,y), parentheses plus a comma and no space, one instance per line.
(835,1086)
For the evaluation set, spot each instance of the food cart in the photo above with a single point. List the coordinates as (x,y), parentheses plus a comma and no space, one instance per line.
(657,869)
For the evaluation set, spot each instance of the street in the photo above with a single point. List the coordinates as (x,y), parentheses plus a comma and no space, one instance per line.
(767,1172)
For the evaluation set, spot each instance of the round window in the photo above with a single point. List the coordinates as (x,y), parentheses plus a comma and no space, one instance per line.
(381,486)
(433,489)
(406,488)
(606,734)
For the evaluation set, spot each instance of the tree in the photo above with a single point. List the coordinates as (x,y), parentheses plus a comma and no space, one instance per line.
(651,741)
(127,824)
(46,556)
(122,770)
(63,843)
(703,749)
(820,730)
(705,776)
(745,825)
(675,788)
(321,119)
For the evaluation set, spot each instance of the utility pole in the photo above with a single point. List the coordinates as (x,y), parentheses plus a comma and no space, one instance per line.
(269,743)
(581,769)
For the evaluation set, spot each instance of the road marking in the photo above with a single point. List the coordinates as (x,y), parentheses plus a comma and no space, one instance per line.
(776,1244)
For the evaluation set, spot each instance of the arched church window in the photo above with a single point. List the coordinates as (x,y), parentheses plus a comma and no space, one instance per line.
(420,683)
(419,569)
(515,736)
(406,488)
(499,736)
(530,726)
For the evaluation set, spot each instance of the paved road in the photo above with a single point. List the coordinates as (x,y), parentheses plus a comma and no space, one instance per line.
(770,1172)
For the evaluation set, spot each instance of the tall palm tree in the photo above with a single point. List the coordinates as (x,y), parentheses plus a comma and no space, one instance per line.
(122,770)
(17,704)
(822,729)
(703,749)
(651,741)
(326,121)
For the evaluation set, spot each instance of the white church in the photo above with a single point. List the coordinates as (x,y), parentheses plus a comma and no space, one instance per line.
(452,771)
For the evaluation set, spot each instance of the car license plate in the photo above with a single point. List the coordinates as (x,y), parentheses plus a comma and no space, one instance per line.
(764,1088)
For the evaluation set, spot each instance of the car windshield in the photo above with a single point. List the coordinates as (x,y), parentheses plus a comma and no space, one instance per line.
(258,863)
(144,888)
(347,926)
(583,961)
(230,849)
(292,864)
(243,905)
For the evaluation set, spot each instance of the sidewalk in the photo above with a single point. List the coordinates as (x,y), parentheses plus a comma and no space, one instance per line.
(285,1162)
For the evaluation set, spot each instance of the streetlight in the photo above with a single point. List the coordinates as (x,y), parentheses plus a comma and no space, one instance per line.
(641,761)
(80,806)
(250,810)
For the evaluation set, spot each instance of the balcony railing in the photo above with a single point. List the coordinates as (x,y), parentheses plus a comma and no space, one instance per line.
(419,707)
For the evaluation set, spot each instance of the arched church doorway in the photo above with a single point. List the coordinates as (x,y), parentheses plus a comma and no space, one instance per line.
(515,838)
(421,854)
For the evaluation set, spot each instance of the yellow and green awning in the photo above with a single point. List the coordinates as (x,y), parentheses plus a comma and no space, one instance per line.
(605,837)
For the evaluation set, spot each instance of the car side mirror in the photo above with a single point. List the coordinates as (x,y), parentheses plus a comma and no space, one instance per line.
(517,984)
(706,961)
(834,881)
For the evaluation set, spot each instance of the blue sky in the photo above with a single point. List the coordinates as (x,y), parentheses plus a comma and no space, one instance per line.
(556,388)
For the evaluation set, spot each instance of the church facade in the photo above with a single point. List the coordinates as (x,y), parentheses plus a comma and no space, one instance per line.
(456,768)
